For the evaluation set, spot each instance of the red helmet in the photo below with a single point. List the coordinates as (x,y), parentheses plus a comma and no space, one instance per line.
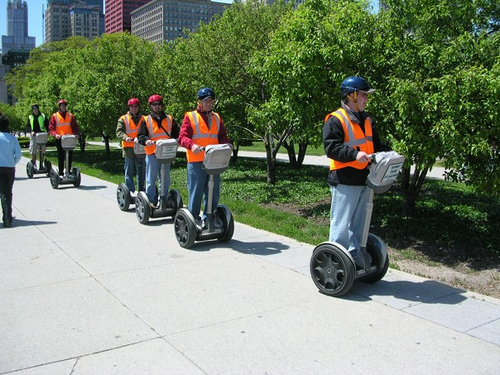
(155,98)
(62,101)
(134,101)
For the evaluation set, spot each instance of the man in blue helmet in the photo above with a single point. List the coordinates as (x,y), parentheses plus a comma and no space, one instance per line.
(349,138)
(201,128)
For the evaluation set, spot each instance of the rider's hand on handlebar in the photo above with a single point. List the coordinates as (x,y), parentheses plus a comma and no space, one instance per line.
(363,157)
(196,149)
(149,142)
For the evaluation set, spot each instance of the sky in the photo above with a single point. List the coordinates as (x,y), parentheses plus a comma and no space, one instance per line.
(35,21)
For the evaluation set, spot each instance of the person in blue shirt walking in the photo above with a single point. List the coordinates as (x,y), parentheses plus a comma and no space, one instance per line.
(10,154)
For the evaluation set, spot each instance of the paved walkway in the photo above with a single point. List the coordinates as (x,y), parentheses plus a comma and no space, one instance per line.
(86,289)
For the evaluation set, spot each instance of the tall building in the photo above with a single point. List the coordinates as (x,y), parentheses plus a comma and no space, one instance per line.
(165,20)
(65,18)
(17,28)
(117,18)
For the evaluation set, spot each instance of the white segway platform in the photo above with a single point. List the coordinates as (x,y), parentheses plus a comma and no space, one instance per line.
(73,177)
(219,221)
(124,197)
(166,151)
(44,166)
(332,267)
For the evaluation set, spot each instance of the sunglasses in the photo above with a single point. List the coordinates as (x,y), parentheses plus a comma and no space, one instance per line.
(156,104)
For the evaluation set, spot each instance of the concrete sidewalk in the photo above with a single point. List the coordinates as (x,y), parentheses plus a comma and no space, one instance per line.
(86,289)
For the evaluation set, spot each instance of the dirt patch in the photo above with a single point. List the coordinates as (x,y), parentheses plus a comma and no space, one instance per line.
(485,282)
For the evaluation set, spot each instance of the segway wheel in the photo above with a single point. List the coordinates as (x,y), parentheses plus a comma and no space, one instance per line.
(48,166)
(224,215)
(185,228)
(142,208)
(379,258)
(54,179)
(77,176)
(30,169)
(123,197)
(174,196)
(332,270)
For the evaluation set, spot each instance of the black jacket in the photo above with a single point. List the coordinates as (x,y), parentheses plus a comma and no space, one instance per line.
(335,148)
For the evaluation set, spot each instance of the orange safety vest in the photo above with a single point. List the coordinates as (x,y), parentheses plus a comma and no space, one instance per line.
(156,132)
(202,135)
(63,124)
(353,137)
(131,129)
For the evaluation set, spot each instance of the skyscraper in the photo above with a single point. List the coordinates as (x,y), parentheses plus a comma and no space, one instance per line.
(65,18)
(165,20)
(17,28)
(118,14)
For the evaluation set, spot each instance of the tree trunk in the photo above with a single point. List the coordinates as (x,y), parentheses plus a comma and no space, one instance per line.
(236,148)
(412,185)
(292,158)
(271,159)
(82,139)
(106,143)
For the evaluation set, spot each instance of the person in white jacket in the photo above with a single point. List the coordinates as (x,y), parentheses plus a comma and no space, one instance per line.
(10,154)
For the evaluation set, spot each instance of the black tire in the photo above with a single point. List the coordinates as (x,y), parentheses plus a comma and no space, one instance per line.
(30,169)
(142,208)
(185,228)
(54,179)
(379,258)
(123,197)
(224,215)
(77,176)
(175,197)
(332,270)
(48,166)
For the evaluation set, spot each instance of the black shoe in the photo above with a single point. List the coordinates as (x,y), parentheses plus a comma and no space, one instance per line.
(7,223)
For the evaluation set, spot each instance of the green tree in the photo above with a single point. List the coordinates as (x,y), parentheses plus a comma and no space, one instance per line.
(219,55)
(320,44)
(111,70)
(433,52)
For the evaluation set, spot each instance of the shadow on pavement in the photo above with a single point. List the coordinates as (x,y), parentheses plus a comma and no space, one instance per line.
(27,223)
(258,248)
(428,292)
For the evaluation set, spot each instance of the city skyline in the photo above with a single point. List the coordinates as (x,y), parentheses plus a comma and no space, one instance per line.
(35,20)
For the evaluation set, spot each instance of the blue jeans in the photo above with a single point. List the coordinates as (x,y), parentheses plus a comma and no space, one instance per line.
(153,173)
(197,180)
(347,216)
(135,166)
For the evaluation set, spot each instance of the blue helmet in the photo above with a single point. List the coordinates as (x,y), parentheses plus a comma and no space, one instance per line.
(205,93)
(353,84)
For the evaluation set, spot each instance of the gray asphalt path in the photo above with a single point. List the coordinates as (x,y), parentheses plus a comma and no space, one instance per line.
(86,289)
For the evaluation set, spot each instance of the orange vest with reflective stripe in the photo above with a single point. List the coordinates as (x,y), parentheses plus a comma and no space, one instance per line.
(131,129)
(63,124)
(353,137)
(156,132)
(202,135)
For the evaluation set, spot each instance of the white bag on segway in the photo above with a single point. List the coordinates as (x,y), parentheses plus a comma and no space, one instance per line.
(217,158)
(68,142)
(384,170)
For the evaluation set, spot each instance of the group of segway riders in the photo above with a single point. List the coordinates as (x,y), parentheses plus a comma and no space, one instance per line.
(150,145)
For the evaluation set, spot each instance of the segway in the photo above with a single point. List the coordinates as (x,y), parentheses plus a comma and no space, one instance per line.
(219,223)
(44,165)
(73,177)
(166,151)
(124,197)
(332,267)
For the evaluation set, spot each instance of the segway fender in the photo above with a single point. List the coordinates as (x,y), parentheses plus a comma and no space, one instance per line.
(379,246)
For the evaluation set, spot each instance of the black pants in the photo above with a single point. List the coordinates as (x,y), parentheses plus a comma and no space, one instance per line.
(61,157)
(6,182)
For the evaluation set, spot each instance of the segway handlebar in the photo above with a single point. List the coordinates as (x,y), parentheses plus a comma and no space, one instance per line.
(384,170)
